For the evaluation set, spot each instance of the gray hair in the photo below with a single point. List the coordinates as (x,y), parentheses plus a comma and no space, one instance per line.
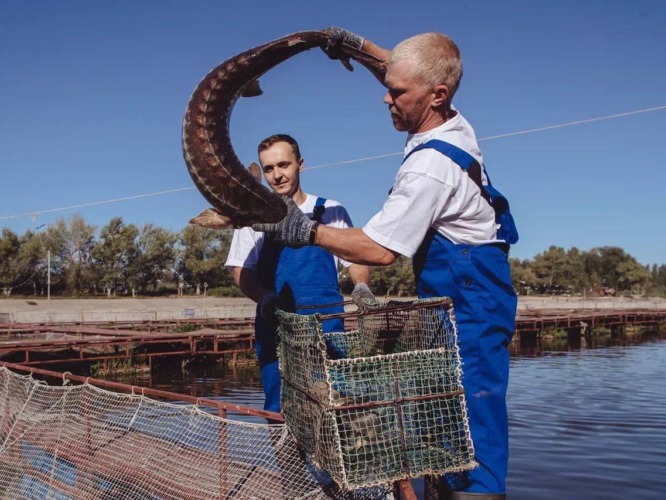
(435,58)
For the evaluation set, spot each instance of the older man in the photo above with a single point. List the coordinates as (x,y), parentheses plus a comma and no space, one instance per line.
(439,213)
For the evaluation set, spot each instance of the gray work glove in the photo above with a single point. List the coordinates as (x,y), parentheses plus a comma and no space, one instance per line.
(336,37)
(362,295)
(268,303)
(293,230)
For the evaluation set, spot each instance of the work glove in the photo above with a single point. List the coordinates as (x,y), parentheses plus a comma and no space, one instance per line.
(293,230)
(336,37)
(268,303)
(361,295)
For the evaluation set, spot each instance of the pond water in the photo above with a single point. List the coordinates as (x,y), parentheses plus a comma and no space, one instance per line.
(586,422)
(589,423)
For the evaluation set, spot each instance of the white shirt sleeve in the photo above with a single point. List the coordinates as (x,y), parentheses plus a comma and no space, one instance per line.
(431,191)
(336,216)
(408,213)
(245,247)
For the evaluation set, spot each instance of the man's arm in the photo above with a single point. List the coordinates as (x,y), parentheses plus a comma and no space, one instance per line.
(359,43)
(248,281)
(380,53)
(359,274)
(353,245)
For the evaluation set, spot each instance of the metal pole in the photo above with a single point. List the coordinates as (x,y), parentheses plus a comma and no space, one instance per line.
(48,275)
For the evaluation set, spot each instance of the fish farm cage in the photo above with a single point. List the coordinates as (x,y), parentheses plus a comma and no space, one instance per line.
(383,402)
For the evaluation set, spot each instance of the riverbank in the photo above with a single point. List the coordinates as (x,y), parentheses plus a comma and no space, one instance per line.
(15,310)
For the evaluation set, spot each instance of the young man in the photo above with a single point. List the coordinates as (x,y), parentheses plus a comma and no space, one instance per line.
(437,214)
(276,276)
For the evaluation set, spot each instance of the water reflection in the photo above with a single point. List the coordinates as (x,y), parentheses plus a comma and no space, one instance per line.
(587,421)
(237,385)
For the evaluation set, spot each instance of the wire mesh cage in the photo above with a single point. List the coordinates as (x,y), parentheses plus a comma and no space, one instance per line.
(382,402)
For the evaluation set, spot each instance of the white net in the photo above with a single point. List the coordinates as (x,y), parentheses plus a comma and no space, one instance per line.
(65,442)
(381,403)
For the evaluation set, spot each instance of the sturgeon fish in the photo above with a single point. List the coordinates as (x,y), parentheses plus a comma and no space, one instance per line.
(236,193)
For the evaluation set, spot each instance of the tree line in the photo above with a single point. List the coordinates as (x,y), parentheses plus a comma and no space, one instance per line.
(119,259)
(144,260)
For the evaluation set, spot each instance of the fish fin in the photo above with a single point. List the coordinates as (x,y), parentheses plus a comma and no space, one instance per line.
(211,219)
(255,171)
(252,89)
(345,62)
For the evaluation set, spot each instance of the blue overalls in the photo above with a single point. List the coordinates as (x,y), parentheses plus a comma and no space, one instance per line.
(303,276)
(478,280)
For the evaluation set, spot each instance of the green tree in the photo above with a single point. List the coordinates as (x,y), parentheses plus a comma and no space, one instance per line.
(156,256)
(550,268)
(81,240)
(658,280)
(574,275)
(10,267)
(70,245)
(115,254)
(605,266)
(56,240)
(202,256)
(394,280)
(33,260)
(632,276)
(523,277)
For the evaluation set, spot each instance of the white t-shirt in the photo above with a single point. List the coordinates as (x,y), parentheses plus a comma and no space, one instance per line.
(430,190)
(246,243)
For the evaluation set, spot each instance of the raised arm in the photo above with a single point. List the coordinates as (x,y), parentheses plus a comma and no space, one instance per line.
(378,52)
(343,43)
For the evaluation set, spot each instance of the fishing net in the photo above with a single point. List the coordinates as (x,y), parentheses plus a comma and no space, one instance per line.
(380,403)
(80,441)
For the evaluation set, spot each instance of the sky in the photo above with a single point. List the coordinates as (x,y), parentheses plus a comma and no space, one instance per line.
(568,99)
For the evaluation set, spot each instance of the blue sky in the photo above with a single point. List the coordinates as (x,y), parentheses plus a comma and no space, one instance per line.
(93,95)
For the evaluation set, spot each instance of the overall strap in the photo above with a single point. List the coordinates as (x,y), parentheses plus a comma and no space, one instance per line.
(459,156)
(507,230)
(319,209)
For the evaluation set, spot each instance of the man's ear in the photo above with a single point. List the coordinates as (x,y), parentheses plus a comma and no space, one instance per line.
(300,165)
(441,96)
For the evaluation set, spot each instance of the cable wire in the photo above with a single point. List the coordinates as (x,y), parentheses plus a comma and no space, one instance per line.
(346,162)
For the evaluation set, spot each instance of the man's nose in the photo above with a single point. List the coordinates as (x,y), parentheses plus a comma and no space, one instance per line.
(387,98)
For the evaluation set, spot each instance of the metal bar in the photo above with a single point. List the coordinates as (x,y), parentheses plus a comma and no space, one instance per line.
(375,404)
(402,306)
(173,396)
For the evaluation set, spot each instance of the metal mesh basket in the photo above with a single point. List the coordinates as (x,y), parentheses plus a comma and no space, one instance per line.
(380,403)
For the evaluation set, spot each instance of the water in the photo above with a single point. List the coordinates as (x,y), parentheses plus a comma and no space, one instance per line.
(237,385)
(589,423)
(585,422)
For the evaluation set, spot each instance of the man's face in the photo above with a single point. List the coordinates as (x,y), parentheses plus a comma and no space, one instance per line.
(281,168)
(408,99)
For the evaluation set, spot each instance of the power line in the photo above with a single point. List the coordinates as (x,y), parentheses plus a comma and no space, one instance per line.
(103,202)
(578,122)
(510,134)
(346,162)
